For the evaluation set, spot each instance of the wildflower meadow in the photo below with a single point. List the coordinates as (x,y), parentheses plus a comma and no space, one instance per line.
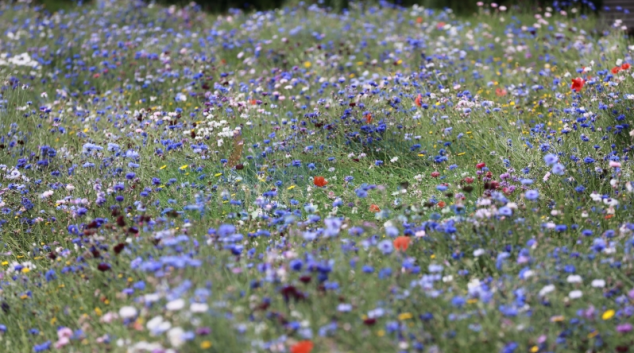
(381,179)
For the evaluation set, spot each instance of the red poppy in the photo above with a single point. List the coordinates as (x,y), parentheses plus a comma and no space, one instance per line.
(468,180)
(418,100)
(302,347)
(320,181)
(374,208)
(625,66)
(500,92)
(253,102)
(419,20)
(435,174)
(440,25)
(481,165)
(577,84)
(441,204)
(368,118)
(616,69)
(401,243)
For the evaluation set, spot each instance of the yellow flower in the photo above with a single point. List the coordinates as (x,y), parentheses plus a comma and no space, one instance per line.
(557,318)
(307,64)
(26,270)
(291,187)
(405,316)
(163,167)
(5,263)
(608,314)
(218,174)
(534,349)
(98,311)
(205,345)
(183,167)
(380,333)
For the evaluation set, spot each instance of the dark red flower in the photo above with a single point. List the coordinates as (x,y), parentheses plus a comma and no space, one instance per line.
(369,321)
(119,248)
(103,267)
(481,165)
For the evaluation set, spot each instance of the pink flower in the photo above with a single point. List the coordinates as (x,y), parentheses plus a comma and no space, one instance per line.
(64,332)
(108,317)
(62,342)
(614,164)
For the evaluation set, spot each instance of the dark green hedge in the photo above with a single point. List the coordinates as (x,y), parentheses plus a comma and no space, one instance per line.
(220,6)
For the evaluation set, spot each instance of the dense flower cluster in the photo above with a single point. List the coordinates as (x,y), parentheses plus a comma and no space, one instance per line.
(386,179)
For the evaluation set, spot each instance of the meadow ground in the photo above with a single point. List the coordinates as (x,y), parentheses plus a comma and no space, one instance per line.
(383,180)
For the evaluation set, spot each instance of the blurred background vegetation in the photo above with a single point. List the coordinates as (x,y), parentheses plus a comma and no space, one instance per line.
(464,7)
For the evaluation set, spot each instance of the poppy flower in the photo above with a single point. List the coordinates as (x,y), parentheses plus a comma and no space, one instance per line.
(302,347)
(615,70)
(418,100)
(500,92)
(368,118)
(374,208)
(577,84)
(401,243)
(419,20)
(441,204)
(480,165)
(625,66)
(320,181)
(468,180)
(435,174)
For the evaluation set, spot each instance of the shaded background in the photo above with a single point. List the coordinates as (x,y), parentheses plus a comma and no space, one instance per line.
(459,6)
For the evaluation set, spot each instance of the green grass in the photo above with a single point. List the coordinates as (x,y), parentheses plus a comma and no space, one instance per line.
(247,311)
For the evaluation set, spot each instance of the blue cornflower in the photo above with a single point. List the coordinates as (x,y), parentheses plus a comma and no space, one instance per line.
(386,247)
(361,193)
(558,169)
(458,301)
(531,195)
(505,211)
(551,159)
